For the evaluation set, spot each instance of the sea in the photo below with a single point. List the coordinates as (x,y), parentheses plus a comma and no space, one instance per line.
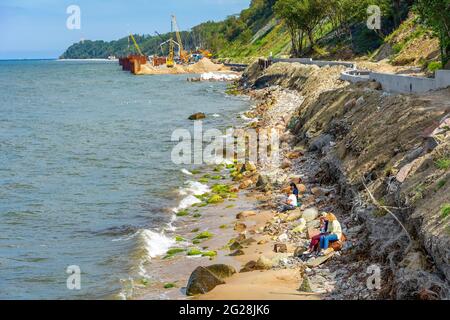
(88,189)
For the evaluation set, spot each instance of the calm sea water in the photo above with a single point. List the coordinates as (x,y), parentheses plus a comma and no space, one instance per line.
(85,166)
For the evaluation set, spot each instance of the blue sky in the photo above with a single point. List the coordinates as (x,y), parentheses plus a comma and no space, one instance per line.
(37,28)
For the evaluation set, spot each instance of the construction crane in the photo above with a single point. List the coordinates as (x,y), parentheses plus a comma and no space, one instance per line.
(136,45)
(182,53)
(170,63)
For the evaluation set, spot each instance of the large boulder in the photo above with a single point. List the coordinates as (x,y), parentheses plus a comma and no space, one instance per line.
(202,281)
(310,214)
(197,116)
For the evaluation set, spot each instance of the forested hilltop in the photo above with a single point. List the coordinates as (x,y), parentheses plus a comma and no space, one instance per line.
(412,32)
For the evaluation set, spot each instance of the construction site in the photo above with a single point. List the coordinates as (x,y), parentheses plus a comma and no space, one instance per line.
(174,58)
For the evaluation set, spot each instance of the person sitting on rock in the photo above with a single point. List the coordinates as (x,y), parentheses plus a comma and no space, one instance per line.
(295,192)
(333,233)
(315,241)
(291,202)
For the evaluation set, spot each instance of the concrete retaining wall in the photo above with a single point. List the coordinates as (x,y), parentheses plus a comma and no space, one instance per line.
(403,84)
(354,76)
(400,83)
(319,63)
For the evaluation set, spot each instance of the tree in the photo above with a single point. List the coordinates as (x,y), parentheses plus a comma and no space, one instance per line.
(436,15)
(288,11)
(302,17)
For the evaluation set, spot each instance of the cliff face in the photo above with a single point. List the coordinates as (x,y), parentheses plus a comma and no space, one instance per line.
(390,155)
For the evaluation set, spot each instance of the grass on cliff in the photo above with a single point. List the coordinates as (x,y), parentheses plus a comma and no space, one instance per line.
(445,210)
(443,163)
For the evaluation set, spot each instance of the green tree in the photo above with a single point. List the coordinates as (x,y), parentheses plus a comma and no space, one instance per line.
(302,18)
(436,15)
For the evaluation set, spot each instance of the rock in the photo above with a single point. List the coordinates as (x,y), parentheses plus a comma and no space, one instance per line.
(301,188)
(360,101)
(294,155)
(248,242)
(280,248)
(221,271)
(202,281)
(317,191)
(300,227)
(245,184)
(315,224)
(240,238)
(264,263)
(236,246)
(249,266)
(287,138)
(234,190)
(310,214)
(197,116)
(312,232)
(261,242)
(250,166)
(237,253)
(294,215)
(283,238)
(305,286)
(312,263)
(240,227)
(321,142)
(245,214)
(263,183)
(349,104)
(286,164)
(299,252)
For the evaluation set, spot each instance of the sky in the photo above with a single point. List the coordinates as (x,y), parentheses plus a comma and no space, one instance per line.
(35,29)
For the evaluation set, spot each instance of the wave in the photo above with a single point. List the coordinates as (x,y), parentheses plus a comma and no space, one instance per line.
(192,189)
(186,172)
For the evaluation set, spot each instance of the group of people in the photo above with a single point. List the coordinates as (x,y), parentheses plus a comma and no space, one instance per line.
(330,228)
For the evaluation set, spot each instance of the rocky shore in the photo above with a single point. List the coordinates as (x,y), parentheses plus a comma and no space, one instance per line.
(375,160)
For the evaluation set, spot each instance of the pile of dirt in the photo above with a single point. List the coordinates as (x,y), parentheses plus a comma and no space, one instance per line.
(202,66)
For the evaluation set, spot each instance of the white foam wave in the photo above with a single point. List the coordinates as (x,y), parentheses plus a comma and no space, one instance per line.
(211,76)
(186,172)
(156,244)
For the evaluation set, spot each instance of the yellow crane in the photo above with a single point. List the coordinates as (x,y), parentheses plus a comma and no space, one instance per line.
(170,63)
(183,54)
(136,45)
